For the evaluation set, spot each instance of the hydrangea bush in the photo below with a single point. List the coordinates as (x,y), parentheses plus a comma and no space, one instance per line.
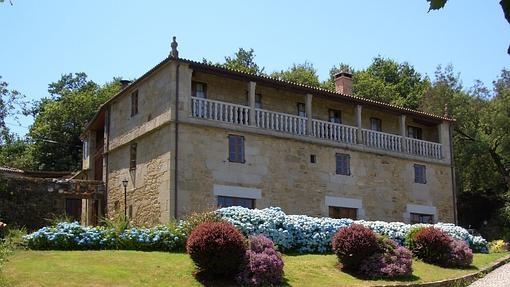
(312,234)
(389,262)
(73,236)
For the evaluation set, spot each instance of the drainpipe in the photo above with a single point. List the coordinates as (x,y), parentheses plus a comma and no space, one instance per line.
(176,139)
(454,183)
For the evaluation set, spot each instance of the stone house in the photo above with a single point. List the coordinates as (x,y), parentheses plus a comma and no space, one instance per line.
(189,136)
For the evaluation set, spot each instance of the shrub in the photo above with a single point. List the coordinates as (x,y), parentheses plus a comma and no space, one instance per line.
(498,246)
(263,264)
(432,245)
(390,262)
(353,244)
(408,242)
(216,248)
(306,234)
(459,255)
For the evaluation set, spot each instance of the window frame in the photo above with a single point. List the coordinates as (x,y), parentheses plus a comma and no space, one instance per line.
(85,148)
(134,103)
(345,159)
(378,124)
(234,200)
(332,116)
(416,134)
(238,153)
(194,89)
(301,112)
(420,173)
(133,150)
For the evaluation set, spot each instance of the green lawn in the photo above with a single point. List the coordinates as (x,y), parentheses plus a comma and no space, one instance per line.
(132,268)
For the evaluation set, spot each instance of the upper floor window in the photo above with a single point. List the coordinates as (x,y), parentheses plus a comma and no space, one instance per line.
(421,218)
(343,212)
(132,156)
(85,148)
(236,148)
(420,173)
(414,132)
(199,90)
(301,110)
(258,101)
(226,201)
(375,124)
(343,164)
(335,116)
(134,103)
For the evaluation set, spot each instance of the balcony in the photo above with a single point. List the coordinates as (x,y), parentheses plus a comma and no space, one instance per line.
(291,124)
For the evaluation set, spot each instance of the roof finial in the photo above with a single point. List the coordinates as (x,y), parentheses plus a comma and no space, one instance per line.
(174,53)
(446,112)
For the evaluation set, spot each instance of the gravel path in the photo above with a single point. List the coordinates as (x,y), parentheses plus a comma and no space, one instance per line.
(497,278)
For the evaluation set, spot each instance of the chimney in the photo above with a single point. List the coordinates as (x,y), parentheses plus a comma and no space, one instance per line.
(124,84)
(343,83)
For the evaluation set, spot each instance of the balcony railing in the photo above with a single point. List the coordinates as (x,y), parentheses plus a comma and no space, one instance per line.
(296,125)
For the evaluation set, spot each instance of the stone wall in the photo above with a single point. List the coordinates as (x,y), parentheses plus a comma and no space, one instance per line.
(281,170)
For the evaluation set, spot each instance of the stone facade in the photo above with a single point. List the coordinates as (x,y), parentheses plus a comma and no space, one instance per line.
(277,171)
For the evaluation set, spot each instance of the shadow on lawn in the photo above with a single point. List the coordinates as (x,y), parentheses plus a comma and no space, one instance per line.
(215,281)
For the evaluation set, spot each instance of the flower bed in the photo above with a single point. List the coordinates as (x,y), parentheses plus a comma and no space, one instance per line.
(73,236)
(313,234)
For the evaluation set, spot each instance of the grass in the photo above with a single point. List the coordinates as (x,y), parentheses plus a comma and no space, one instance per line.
(133,268)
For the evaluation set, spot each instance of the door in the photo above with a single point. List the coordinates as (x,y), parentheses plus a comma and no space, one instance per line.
(73,208)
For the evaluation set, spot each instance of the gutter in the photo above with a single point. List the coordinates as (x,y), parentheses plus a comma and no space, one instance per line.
(176,153)
(454,183)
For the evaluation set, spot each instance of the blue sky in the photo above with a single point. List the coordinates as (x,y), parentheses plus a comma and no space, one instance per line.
(43,39)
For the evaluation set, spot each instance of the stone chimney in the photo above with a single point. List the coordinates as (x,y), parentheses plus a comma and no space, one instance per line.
(343,83)
(124,84)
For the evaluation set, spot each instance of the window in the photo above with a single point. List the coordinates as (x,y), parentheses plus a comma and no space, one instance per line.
(421,218)
(132,157)
(313,158)
(199,90)
(420,174)
(335,116)
(258,101)
(236,148)
(343,164)
(85,148)
(343,212)
(414,132)
(375,124)
(226,201)
(301,110)
(134,103)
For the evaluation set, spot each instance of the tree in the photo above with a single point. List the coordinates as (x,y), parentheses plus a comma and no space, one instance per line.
(60,119)
(304,74)
(243,60)
(10,102)
(505,6)
(388,81)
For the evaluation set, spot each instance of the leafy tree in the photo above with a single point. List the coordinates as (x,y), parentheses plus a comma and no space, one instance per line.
(304,74)
(388,81)
(10,101)
(243,60)
(60,119)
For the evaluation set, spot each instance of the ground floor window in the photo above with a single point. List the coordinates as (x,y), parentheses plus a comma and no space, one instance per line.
(343,212)
(421,218)
(226,201)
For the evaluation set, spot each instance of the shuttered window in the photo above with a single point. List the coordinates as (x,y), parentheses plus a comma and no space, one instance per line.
(420,173)
(375,124)
(414,132)
(343,212)
(227,201)
(421,218)
(134,103)
(236,148)
(343,164)
(199,90)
